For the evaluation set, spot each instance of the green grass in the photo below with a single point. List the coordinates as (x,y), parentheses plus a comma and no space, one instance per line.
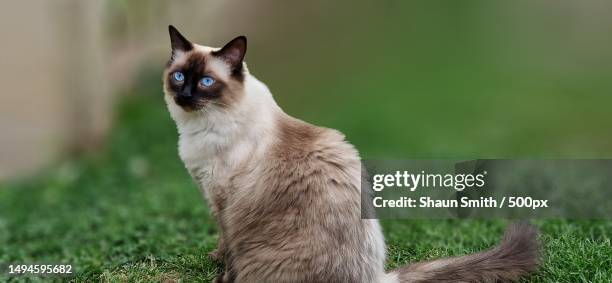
(131,213)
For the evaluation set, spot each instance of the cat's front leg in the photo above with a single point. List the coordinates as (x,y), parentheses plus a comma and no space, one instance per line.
(218,254)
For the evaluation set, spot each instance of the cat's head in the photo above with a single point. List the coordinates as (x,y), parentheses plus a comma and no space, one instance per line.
(198,77)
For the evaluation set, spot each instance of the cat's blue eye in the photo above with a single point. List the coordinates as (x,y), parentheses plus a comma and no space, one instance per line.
(179,77)
(207,81)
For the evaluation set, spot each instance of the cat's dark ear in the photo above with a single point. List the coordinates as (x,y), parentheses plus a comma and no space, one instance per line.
(178,41)
(233,52)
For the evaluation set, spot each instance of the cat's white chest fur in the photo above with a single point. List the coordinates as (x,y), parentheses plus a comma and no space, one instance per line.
(198,162)
(207,163)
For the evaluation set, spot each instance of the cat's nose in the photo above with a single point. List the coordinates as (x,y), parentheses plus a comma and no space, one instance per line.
(184,94)
(183,99)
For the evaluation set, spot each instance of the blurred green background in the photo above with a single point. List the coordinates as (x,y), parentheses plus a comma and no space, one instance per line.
(107,192)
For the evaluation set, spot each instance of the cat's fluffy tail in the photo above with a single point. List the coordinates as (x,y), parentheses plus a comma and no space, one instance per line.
(517,255)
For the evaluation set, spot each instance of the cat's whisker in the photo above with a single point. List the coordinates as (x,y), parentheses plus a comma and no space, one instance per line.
(219,103)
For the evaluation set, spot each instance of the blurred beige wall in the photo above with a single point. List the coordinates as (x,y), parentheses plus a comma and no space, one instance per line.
(32,105)
(62,62)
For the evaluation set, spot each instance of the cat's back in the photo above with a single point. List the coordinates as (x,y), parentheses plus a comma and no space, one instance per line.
(308,167)
(312,151)
(298,141)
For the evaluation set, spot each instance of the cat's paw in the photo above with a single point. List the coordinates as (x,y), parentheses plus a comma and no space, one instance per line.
(216,254)
(222,278)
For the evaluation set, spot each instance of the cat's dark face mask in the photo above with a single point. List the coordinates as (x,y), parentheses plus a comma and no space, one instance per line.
(197,77)
(193,85)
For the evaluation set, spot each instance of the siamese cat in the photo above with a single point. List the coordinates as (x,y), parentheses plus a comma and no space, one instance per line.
(285,193)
